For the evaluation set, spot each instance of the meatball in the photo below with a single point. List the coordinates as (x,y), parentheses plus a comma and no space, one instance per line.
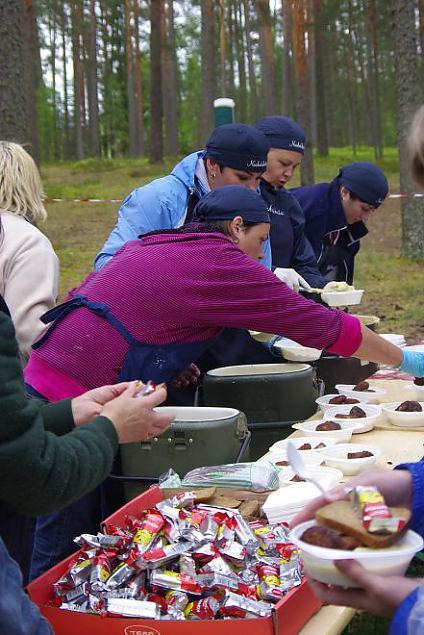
(363,386)
(297,479)
(282,463)
(305,446)
(325,537)
(409,406)
(359,455)
(419,381)
(320,446)
(356,413)
(328,425)
(342,399)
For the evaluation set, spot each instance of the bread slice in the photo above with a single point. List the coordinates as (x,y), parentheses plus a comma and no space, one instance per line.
(342,517)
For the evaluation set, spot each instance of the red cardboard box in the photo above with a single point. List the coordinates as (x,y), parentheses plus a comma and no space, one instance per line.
(291,613)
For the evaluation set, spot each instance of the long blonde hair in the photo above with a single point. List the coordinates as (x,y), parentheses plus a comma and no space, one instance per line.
(416,146)
(21,190)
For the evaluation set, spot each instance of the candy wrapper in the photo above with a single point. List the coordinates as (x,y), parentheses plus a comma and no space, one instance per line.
(181,561)
(376,516)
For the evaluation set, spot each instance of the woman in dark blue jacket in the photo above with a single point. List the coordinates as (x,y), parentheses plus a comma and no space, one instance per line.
(336,215)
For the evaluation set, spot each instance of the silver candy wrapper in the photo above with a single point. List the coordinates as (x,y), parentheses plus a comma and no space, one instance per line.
(218,580)
(157,557)
(120,576)
(186,565)
(257,607)
(133,608)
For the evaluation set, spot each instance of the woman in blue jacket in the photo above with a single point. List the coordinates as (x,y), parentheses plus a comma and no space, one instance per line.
(336,214)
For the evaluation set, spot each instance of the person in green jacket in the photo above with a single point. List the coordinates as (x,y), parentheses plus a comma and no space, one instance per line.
(51,455)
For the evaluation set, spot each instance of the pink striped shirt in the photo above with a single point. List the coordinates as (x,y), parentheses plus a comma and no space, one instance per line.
(171,288)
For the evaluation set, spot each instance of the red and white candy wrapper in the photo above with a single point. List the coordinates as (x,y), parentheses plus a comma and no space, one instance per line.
(157,557)
(269,585)
(238,606)
(376,516)
(176,599)
(148,529)
(173,580)
(204,609)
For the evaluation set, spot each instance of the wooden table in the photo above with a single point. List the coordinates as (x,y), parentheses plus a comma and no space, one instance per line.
(397,445)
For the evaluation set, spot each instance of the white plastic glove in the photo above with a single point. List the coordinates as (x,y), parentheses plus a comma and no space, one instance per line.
(291,278)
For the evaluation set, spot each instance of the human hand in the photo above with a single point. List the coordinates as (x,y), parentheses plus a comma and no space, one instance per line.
(188,376)
(413,363)
(90,404)
(134,418)
(395,486)
(291,278)
(377,594)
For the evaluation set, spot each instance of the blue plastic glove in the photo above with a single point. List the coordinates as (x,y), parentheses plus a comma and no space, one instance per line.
(413,363)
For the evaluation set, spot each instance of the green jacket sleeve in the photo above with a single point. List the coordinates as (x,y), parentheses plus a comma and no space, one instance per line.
(58,417)
(39,471)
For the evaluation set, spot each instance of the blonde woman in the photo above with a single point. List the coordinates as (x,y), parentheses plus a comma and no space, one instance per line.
(29,267)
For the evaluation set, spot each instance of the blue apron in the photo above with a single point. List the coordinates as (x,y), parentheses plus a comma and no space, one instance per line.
(281,233)
(157,362)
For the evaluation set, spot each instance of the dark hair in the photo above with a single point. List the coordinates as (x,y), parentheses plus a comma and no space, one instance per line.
(352,195)
(208,156)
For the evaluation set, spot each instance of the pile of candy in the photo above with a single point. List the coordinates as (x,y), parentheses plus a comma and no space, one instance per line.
(181,561)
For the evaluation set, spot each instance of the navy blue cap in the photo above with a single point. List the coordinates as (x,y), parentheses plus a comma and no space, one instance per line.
(283,133)
(230,201)
(238,146)
(366,181)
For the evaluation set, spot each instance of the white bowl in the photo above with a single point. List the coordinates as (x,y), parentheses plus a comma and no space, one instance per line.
(294,352)
(343,435)
(364,397)
(403,419)
(281,446)
(319,561)
(336,456)
(328,477)
(342,298)
(310,457)
(261,337)
(418,390)
(324,405)
(364,424)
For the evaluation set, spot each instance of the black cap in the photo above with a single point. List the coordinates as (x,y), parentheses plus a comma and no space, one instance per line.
(238,146)
(230,201)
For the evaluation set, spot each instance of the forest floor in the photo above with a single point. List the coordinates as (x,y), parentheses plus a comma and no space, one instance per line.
(393,284)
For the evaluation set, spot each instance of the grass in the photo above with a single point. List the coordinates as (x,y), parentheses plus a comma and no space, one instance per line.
(78,230)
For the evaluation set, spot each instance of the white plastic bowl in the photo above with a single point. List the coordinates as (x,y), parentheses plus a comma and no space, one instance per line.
(261,337)
(343,435)
(418,390)
(310,457)
(324,405)
(364,424)
(328,477)
(294,352)
(365,397)
(342,298)
(281,446)
(319,561)
(403,419)
(336,456)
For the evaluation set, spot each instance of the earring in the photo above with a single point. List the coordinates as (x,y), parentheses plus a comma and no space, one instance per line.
(236,241)
(213,175)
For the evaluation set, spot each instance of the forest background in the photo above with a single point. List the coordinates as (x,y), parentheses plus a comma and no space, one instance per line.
(108,95)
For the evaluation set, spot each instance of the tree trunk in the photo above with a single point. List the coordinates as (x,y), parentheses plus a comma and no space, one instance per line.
(288,88)
(222,51)
(241,65)
(92,87)
(208,76)
(169,81)
(375,83)
(78,79)
(13,92)
(156,142)
(409,97)
(254,107)
(266,50)
(303,90)
(138,83)
(32,73)
(321,128)
(132,129)
(63,28)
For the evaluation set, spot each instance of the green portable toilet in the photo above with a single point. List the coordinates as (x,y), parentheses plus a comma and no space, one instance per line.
(224,111)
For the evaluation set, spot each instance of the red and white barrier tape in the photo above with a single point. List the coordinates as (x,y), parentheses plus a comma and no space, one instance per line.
(47,199)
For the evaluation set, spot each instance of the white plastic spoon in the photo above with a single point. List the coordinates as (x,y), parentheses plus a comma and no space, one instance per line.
(298,466)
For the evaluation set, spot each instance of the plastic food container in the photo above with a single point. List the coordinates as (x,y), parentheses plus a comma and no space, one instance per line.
(336,457)
(310,457)
(366,397)
(342,298)
(403,419)
(319,561)
(364,424)
(324,405)
(281,446)
(343,435)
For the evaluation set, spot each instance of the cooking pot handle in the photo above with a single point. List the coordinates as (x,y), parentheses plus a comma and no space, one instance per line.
(244,446)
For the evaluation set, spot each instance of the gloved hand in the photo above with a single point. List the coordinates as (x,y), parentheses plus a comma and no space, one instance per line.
(291,278)
(413,363)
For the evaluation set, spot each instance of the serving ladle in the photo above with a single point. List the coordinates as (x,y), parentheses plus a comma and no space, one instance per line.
(296,462)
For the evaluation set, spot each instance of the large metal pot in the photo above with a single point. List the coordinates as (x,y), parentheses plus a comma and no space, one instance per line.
(272,396)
